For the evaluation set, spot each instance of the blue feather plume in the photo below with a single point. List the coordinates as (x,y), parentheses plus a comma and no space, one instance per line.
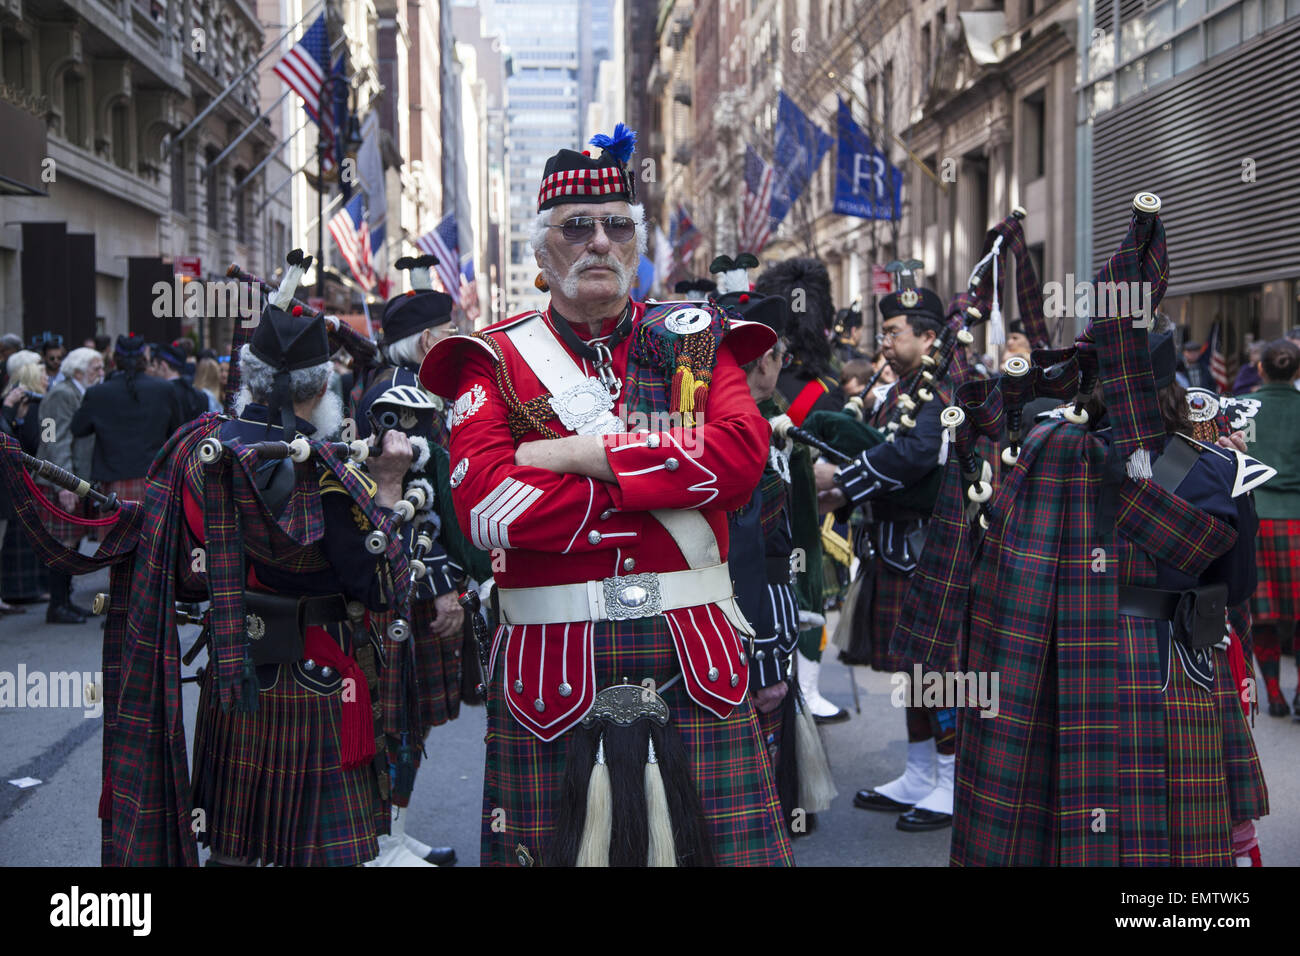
(620,145)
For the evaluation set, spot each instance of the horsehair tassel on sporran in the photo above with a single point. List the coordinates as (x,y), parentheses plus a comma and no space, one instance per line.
(816,785)
(662,850)
(597,831)
(609,801)
(787,754)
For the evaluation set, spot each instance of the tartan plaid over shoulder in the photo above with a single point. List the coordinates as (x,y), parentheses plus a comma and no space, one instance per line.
(1044,617)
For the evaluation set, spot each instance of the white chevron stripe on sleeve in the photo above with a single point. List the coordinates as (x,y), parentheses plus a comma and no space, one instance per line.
(490,518)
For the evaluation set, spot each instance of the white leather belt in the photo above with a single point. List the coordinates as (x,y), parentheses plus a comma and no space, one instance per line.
(616,599)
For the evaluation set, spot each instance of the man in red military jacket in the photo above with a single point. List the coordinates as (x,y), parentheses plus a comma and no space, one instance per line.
(596,449)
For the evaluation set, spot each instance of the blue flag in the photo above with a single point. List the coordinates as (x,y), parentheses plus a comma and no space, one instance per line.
(645,278)
(800,146)
(866,184)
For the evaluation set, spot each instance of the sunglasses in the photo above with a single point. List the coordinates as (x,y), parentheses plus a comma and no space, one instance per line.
(582,228)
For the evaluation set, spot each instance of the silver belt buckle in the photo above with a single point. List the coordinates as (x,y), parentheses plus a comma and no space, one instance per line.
(632,596)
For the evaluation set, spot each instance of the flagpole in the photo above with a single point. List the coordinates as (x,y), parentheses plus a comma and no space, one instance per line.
(220,97)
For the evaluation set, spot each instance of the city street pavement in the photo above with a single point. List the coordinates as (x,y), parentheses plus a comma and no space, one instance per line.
(54,823)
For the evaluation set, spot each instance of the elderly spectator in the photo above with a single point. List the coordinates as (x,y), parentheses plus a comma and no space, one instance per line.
(131,416)
(1248,379)
(82,368)
(18,360)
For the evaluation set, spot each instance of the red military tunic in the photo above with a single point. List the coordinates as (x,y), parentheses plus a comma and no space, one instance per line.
(545,528)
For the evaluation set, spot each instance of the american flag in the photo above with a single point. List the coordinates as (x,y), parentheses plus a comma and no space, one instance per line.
(755,216)
(444,242)
(349,229)
(469,290)
(302,72)
(685,238)
(1219,367)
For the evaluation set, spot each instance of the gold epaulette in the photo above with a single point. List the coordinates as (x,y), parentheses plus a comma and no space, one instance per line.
(329,483)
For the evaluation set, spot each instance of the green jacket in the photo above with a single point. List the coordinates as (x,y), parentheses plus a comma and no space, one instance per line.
(804,520)
(1276,443)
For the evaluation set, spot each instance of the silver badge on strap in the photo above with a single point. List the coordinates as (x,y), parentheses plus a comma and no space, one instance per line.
(686,321)
(585,409)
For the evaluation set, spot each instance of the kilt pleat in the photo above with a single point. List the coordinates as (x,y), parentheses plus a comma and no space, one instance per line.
(728,760)
(1140,816)
(889,590)
(271,784)
(1277,558)
(1246,789)
(23,577)
(437,667)
(1200,827)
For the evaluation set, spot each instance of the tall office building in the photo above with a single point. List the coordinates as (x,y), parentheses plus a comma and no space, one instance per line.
(555,47)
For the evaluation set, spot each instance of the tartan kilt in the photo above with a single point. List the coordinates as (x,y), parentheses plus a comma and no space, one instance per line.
(23,577)
(429,667)
(729,763)
(127,489)
(271,783)
(1277,557)
(438,663)
(881,614)
(65,532)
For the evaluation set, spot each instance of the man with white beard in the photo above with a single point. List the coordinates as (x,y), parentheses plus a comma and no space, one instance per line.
(597,447)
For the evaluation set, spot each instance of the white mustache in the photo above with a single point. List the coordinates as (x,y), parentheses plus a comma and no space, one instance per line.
(590,260)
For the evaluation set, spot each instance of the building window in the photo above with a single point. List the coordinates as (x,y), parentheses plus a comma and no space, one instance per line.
(178,179)
(214,220)
(120,123)
(241,208)
(1033,133)
(74,112)
(925,58)
(17,70)
(930,194)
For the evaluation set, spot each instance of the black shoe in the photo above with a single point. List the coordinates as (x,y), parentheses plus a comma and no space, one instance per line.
(870,800)
(84,612)
(1277,707)
(917,820)
(64,615)
(838,717)
(441,856)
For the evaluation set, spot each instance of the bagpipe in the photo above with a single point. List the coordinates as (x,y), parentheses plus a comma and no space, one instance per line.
(984,409)
(52,473)
(843,435)
(415,500)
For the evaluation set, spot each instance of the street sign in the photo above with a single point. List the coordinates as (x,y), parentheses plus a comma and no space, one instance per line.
(189,266)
